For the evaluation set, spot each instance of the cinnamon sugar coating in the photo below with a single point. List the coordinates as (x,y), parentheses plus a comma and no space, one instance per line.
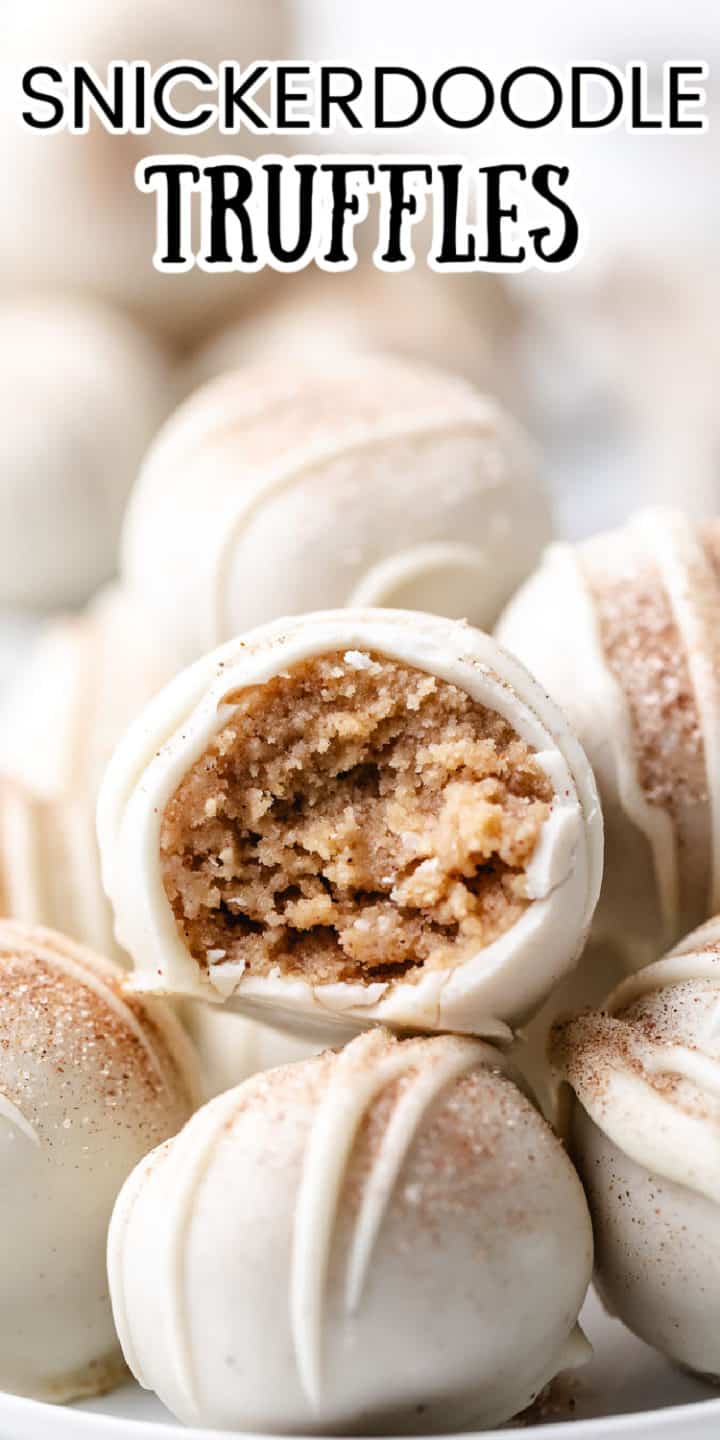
(356,819)
(645,652)
(91,1079)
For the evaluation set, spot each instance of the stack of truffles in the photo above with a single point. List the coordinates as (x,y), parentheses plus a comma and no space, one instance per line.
(343,820)
(368,832)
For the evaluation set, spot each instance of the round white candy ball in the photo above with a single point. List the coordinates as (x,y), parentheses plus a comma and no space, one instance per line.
(83,187)
(91,1078)
(82,392)
(466,324)
(378,482)
(362,1239)
(643,1130)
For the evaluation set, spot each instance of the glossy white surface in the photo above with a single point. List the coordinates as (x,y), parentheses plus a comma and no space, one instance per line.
(627,1392)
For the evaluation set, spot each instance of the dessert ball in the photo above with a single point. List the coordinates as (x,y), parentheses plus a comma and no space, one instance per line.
(103,227)
(601,967)
(84,680)
(358,1235)
(230,1047)
(49,866)
(644,1127)
(90,1080)
(465,324)
(351,817)
(82,392)
(624,632)
(377,483)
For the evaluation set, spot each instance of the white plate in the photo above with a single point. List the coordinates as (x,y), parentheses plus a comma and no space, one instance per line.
(627,1392)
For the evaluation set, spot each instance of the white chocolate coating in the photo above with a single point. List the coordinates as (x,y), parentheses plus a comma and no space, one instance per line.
(231,1048)
(346,1246)
(497,986)
(103,227)
(49,867)
(600,968)
(82,392)
(90,1080)
(644,1132)
(464,324)
(376,483)
(85,679)
(662,873)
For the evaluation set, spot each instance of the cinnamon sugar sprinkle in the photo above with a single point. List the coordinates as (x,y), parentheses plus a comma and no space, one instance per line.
(55,1029)
(645,652)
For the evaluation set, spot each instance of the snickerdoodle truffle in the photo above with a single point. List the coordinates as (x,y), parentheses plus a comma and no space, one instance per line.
(358,1237)
(464,323)
(276,490)
(50,867)
(351,817)
(84,678)
(82,393)
(91,1079)
(624,632)
(231,1048)
(79,221)
(644,1131)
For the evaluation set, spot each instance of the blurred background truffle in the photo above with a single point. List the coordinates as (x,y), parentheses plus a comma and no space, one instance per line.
(82,391)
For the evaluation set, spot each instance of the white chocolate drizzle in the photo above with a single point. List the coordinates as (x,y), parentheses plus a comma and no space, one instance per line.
(382,582)
(187,1158)
(460,1057)
(189,1168)
(644,1122)
(322,453)
(359,1076)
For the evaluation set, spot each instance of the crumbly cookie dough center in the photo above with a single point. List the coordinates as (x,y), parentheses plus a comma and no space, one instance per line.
(356,820)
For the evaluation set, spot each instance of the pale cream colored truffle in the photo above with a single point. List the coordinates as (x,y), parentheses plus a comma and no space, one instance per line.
(353,817)
(49,867)
(91,1078)
(624,632)
(601,967)
(361,1238)
(644,1130)
(231,1048)
(82,393)
(84,680)
(464,324)
(380,482)
(102,236)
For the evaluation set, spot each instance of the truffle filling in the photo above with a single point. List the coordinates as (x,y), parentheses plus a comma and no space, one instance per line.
(355,820)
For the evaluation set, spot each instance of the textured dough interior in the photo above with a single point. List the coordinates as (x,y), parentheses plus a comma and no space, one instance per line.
(357,819)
